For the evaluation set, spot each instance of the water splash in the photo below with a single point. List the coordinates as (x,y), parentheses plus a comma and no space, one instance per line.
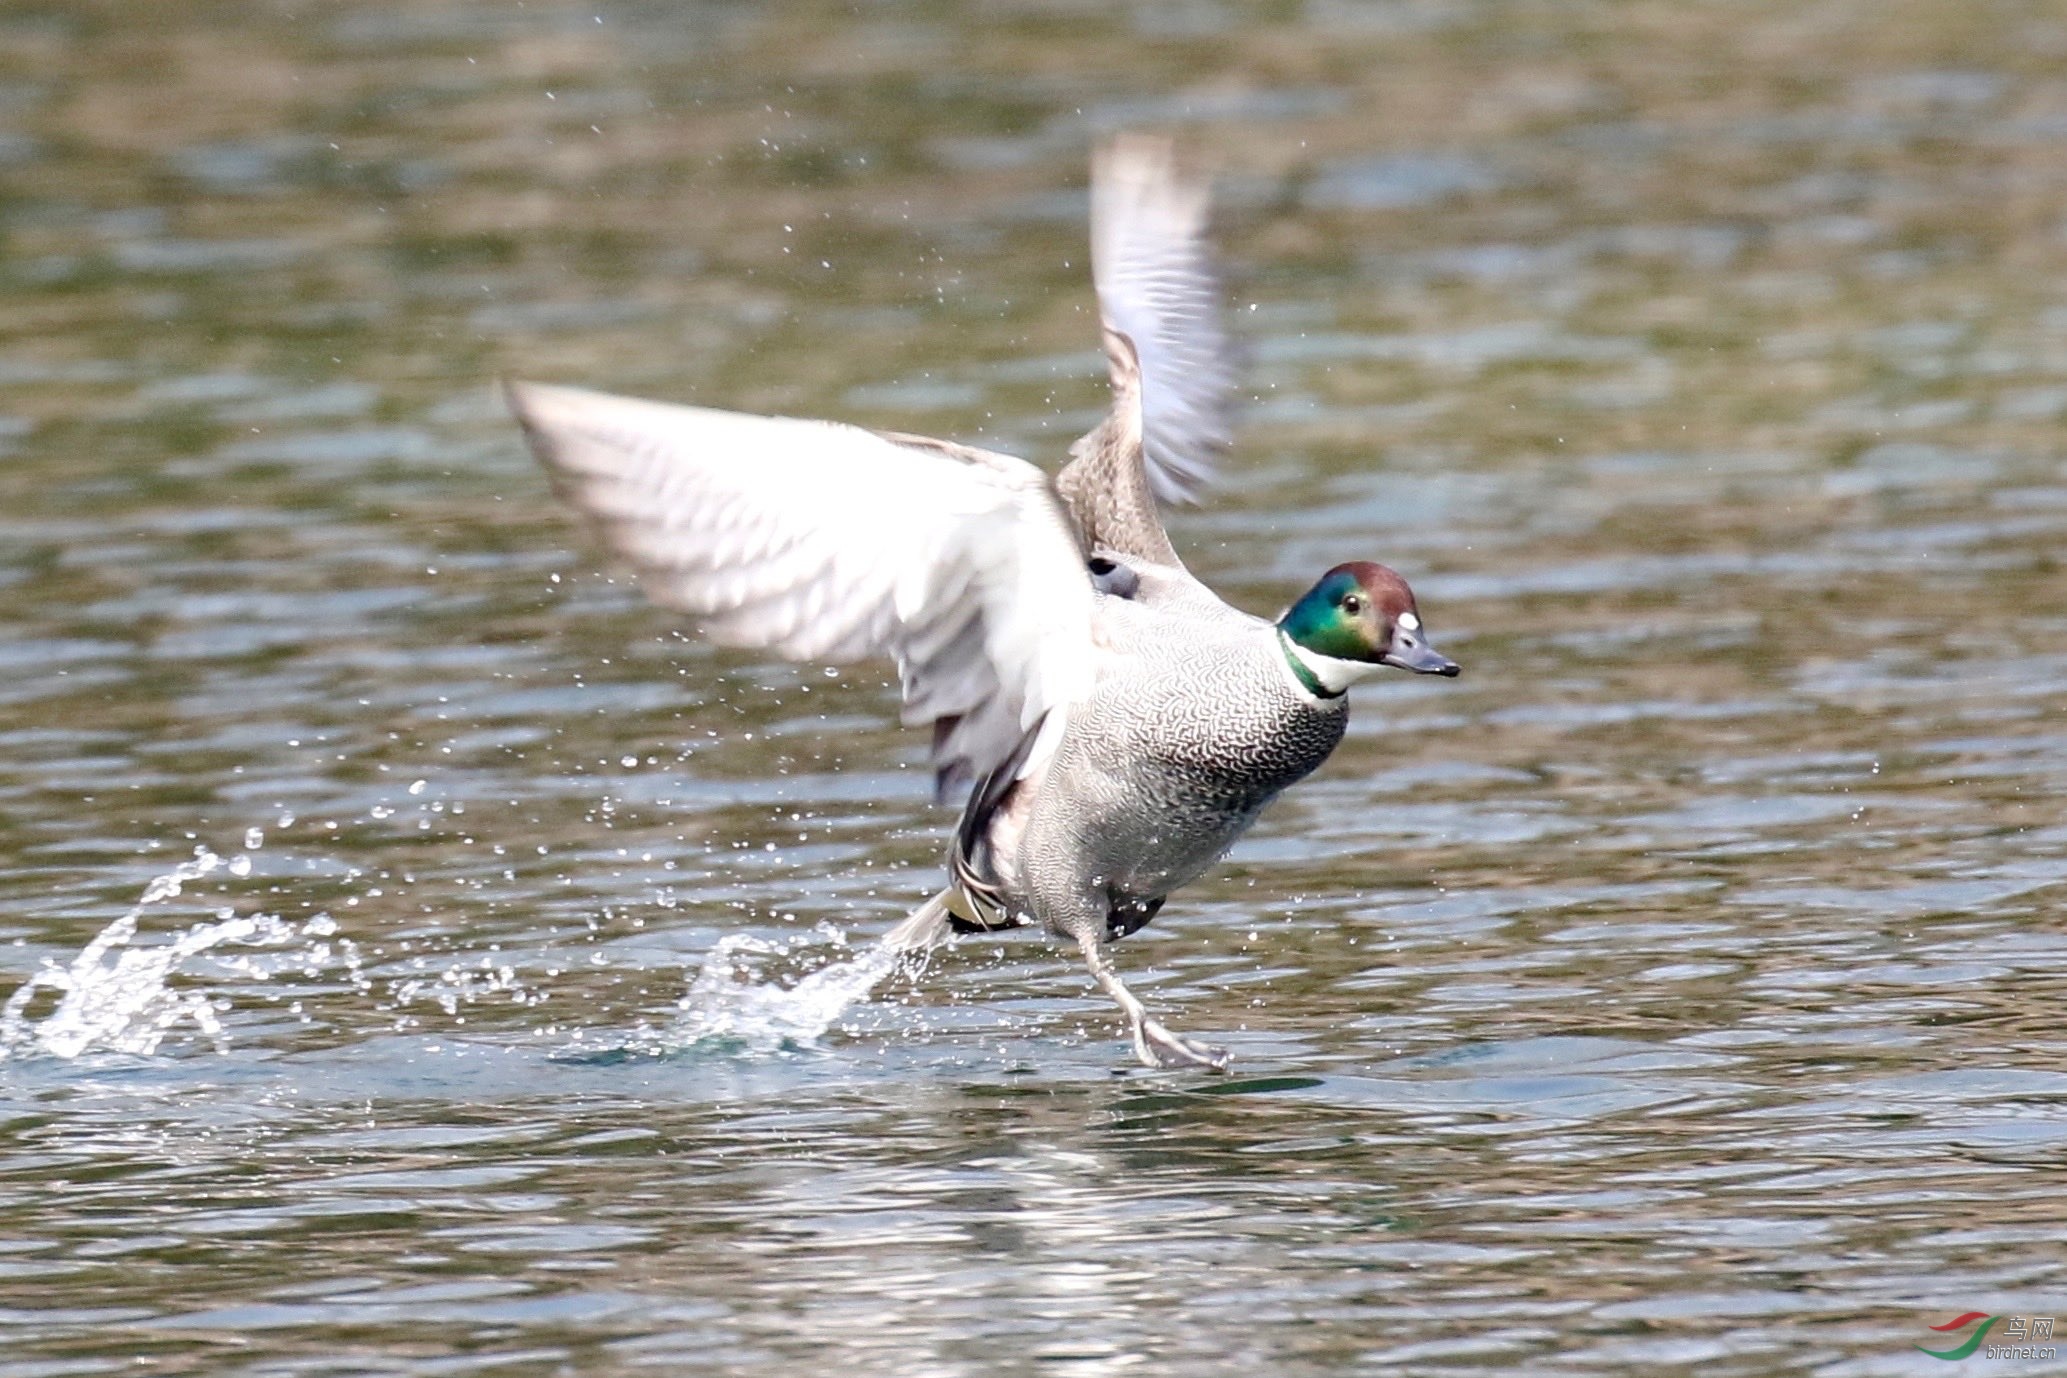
(115,997)
(455,988)
(737,999)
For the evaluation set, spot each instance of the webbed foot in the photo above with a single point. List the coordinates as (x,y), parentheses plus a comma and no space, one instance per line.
(1156,1046)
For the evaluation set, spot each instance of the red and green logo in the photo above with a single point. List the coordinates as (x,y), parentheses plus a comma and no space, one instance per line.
(1973,1341)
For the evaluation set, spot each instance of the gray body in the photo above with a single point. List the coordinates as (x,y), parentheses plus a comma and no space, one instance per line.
(1195,726)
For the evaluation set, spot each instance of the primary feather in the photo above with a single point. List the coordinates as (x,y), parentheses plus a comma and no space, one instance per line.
(1157,286)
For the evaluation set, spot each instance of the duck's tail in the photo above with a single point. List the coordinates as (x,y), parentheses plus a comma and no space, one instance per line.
(956,909)
(927,928)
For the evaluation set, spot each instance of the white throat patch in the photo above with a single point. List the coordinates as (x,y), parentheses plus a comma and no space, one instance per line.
(1334,675)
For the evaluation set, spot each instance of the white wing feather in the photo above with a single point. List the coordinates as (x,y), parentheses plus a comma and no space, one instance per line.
(824,542)
(1156,282)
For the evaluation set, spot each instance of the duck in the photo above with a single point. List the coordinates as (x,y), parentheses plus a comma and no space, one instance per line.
(1110,725)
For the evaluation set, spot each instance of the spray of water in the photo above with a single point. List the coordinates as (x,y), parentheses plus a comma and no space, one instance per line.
(737,1001)
(128,990)
(115,996)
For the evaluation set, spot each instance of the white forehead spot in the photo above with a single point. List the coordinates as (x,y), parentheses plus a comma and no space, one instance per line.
(1409,621)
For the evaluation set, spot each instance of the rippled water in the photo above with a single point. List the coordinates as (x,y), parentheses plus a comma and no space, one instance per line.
(419,959)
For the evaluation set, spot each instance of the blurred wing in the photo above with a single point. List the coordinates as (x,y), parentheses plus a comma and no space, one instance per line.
(824,542)
(1157,286)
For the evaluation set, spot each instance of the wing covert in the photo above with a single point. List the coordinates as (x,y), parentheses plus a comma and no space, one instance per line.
(827,542)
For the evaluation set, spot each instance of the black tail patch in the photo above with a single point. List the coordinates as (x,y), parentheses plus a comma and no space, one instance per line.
(1127,915)
(968,861)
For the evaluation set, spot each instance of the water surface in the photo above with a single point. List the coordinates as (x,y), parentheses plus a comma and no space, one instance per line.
(1678,991)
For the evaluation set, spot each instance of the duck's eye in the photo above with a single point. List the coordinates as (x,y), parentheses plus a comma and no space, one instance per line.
(1352,605)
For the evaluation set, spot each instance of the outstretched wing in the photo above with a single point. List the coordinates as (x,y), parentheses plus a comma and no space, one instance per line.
(825,542)
(1157,286)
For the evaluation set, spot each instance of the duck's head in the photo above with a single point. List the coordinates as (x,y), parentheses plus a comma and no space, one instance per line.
(1359,617)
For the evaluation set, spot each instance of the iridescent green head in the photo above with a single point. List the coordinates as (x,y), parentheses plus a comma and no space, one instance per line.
(1359,616)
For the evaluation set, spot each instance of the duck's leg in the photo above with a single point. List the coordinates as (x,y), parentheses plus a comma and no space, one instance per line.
(1155,1045)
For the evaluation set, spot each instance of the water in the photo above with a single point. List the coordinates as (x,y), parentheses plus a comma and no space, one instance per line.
(418,959)
(125,1005)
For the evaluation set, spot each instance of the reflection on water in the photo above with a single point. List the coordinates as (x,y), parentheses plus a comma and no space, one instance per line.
(1677,992)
